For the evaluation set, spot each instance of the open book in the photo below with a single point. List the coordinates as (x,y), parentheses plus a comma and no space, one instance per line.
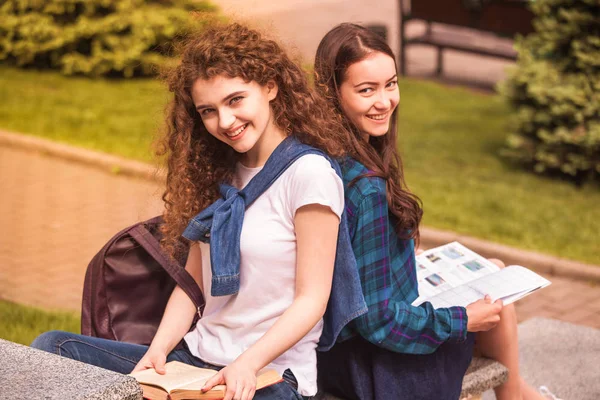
(453,275)
(183,382)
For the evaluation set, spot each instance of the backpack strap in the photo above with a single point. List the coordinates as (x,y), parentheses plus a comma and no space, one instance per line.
(183,278)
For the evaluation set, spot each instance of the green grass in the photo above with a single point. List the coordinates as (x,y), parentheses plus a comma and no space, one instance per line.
(450,139)
(22,324)
(115,116)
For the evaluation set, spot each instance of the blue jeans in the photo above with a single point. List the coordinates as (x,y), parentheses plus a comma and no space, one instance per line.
(122,357)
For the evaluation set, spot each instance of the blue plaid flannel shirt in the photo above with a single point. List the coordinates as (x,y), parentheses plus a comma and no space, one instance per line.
(387,271)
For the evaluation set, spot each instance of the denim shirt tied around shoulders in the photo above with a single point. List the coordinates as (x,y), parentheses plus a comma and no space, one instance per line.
(220,224)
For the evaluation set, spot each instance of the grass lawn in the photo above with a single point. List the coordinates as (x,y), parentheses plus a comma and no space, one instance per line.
(119,117)
(22,324)
(449,137)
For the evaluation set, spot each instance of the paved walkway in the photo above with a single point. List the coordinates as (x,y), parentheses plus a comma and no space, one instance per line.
(55,215)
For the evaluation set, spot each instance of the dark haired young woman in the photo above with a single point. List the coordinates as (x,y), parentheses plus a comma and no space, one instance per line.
(243,117)
(395,350)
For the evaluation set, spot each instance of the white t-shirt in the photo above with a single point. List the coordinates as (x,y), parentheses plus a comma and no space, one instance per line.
(231,324)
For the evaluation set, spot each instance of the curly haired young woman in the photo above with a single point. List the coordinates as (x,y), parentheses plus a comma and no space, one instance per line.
(241,109)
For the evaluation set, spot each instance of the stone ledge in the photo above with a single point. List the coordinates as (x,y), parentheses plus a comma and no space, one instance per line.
(483,374)
(27,373)
(106,162)
(562,356)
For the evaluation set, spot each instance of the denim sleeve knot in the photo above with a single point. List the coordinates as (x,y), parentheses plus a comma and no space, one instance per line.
(221,226)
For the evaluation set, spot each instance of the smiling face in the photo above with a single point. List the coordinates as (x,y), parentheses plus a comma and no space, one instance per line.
(238,113)
(369,93)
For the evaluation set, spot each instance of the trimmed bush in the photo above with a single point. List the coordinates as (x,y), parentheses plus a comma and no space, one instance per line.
(94,37)
(555,91)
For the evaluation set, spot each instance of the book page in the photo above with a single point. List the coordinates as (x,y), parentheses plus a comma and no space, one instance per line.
(198,385)
(178,375)
(449,266)
(264,378)
(509,284)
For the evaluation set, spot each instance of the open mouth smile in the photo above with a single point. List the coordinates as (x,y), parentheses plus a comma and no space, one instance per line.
(234,134)
(378,117)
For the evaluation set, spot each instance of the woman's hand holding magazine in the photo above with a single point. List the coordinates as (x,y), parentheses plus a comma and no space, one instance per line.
(483,315)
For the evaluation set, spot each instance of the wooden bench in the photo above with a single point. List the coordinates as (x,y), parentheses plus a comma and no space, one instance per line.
(490,18)
(482,374)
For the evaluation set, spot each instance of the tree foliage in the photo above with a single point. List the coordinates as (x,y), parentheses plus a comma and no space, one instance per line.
(94,37)
(555,91)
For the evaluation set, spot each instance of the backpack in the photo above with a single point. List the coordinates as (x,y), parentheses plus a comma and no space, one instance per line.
(128,283)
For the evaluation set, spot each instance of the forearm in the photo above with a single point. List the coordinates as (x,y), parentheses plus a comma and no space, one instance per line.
(386,266)
(180,310)
(409,329)
(176,321)
(295,323)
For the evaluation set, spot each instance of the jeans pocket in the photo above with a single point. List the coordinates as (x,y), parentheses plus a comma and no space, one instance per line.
(290,378)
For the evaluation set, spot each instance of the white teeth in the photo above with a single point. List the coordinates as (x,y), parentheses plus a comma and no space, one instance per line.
(238,131)
(378,117)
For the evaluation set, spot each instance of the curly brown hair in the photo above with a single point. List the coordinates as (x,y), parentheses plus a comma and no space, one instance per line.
(197,162)
(341,47)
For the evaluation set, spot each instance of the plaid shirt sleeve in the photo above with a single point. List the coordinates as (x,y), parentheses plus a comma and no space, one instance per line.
(391,322)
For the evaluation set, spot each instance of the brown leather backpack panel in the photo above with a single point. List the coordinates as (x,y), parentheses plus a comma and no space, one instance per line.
(128,283)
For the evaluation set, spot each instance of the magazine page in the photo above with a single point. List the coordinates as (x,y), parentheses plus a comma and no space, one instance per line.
(509,284)
(449,266)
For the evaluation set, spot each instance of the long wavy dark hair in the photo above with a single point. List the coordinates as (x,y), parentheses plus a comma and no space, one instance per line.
(197,162)
(341,47)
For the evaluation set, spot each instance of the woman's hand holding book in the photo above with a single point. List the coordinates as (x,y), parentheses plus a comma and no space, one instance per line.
(152,359)
(239,378)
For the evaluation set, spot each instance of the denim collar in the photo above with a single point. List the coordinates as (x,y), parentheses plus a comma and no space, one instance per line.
(220,224)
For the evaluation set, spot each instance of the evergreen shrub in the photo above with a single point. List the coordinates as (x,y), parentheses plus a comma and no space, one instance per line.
(94,37)
(555,91)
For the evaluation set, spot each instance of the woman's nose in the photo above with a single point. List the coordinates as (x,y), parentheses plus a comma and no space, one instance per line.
(383,101)
(226,119)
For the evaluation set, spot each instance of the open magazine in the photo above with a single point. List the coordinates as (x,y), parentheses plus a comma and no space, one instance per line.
(453,275)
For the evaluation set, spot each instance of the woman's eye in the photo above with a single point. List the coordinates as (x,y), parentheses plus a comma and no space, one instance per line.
(365,90)
(392,84)
(206,112)
(236,99)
